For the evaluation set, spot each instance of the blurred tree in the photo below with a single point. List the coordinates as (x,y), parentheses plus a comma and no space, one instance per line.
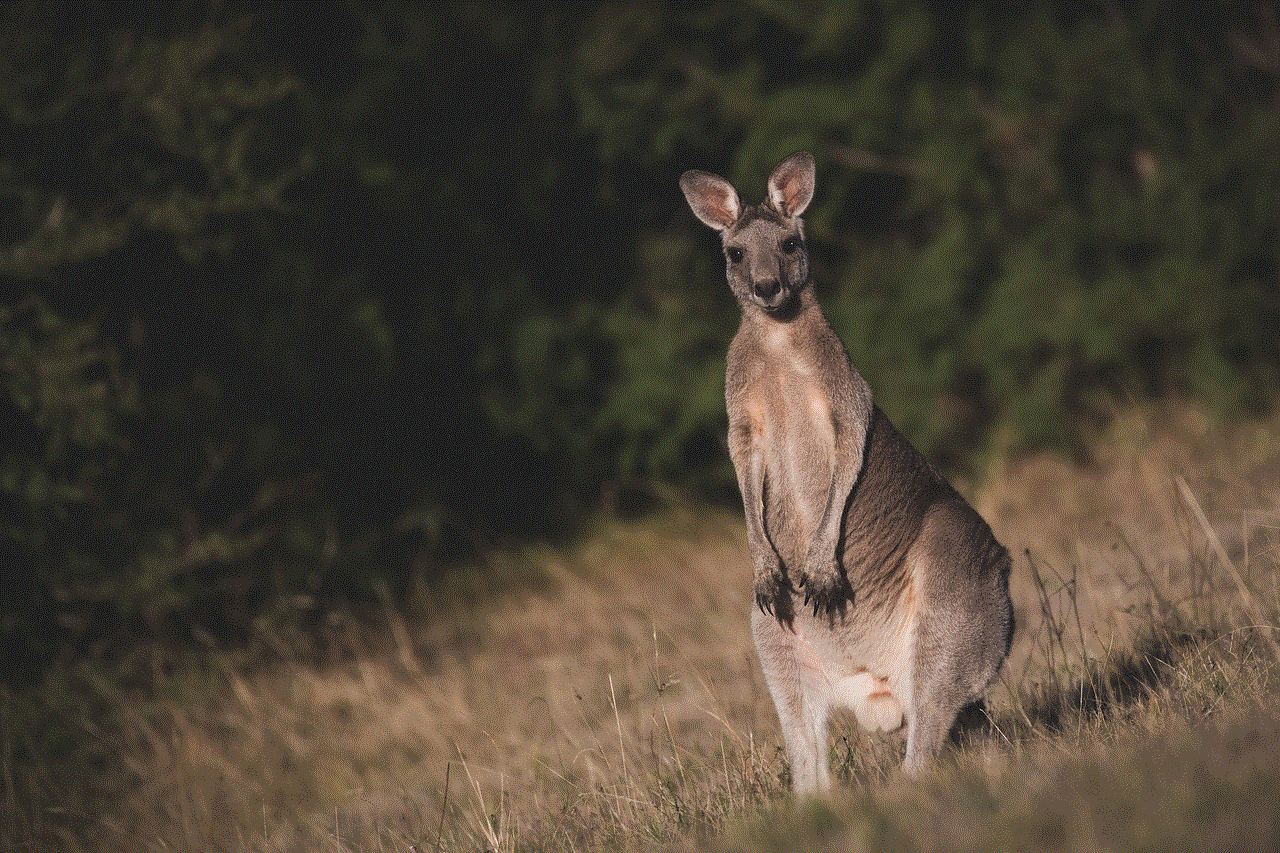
(1017,209)
(293,295)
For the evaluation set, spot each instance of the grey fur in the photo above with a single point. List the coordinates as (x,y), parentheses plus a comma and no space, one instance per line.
(878,587)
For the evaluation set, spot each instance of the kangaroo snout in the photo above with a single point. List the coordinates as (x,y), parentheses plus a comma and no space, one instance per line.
(767,289)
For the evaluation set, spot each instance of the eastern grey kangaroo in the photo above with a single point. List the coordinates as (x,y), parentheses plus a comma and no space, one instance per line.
(878,587)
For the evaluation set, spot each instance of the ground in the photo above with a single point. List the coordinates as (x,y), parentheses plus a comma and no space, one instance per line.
(605,695)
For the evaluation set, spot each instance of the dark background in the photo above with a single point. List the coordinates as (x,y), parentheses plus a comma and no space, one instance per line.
(299,306)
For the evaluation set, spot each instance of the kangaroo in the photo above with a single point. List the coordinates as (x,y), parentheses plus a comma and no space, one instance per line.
(878,587)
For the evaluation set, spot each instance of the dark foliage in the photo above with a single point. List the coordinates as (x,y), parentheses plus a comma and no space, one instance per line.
(299,303)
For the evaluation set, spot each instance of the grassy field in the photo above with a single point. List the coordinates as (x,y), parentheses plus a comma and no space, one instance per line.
(606,696)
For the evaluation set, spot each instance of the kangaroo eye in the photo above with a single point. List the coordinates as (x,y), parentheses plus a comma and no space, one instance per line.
(790,244)
(734,253)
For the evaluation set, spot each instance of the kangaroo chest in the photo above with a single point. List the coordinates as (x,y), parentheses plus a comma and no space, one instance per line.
(798,443)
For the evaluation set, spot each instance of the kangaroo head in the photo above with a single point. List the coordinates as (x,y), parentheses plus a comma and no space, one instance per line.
(765,256)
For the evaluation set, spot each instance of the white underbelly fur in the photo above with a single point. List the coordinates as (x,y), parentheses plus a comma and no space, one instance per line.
(871,680)
(873,703)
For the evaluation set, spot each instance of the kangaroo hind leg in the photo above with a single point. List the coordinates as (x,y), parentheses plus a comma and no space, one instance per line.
(938,698)
(962,633)
(802,705)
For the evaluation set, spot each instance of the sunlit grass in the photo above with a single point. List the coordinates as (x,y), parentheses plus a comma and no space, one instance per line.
(606,697)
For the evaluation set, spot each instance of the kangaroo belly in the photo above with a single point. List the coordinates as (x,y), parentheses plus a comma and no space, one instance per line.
(863,663)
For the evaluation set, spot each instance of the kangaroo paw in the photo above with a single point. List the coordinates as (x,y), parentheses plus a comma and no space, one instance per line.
(826,590)
(773,596)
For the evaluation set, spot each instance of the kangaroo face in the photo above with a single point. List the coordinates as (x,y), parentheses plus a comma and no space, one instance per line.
(765,258)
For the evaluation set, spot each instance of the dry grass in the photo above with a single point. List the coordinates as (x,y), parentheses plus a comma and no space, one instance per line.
(609,699)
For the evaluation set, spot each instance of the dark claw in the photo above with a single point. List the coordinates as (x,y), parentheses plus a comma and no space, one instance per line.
(829,602)
(774,599)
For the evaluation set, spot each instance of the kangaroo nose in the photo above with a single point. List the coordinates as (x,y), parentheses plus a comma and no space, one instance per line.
(767,289)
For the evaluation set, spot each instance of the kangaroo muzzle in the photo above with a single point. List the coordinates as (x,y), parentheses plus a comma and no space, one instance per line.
(767,290)
(774,296)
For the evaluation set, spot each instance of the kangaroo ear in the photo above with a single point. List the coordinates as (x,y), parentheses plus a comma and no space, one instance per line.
(711,197)
(791,185)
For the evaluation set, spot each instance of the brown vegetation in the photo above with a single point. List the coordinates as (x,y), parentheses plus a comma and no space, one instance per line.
(607,697)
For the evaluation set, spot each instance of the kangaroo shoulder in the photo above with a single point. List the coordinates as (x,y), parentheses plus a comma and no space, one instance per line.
(742,368)
(743,345)
(848,388)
